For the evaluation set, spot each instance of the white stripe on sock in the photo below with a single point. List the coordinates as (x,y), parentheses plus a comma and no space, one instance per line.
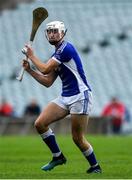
(88,151)
(57,154)
(47,134)
(95,165)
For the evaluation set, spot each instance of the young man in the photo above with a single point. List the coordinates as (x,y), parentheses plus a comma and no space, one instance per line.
(75,98)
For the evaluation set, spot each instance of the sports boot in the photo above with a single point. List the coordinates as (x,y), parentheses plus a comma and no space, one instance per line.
(55,162)
(96,169)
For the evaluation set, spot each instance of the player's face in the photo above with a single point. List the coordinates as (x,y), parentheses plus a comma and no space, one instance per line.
(54,36)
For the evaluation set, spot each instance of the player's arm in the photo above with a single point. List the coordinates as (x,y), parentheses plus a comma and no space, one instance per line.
(42,67)
(46,80)
(45,67)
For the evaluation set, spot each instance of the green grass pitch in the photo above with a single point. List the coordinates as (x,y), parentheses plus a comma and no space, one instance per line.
(21,157)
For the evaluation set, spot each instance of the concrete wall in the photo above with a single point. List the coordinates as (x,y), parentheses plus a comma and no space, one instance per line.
(25,125)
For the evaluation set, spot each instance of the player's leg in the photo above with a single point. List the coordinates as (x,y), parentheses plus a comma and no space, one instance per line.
(79,115)
(50,114)
(79,124)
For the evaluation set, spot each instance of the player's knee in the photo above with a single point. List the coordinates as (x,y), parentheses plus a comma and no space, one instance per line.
(39,124)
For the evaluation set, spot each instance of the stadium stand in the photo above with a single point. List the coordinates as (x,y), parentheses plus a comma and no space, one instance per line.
(11,4)
(96,24)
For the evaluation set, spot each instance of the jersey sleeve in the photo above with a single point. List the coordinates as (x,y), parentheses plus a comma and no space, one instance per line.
(63,54)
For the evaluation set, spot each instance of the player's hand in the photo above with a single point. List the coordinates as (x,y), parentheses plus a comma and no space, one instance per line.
(26,65)
(28,51)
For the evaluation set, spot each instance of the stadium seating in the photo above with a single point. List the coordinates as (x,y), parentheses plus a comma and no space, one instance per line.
(108,69)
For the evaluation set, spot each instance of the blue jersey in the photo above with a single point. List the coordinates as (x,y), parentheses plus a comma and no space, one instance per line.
(70,70)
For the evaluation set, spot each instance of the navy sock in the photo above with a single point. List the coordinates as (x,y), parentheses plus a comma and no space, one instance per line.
(49,138)
(90,156)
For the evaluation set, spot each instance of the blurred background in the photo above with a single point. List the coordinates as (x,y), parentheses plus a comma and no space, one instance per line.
(101,30)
